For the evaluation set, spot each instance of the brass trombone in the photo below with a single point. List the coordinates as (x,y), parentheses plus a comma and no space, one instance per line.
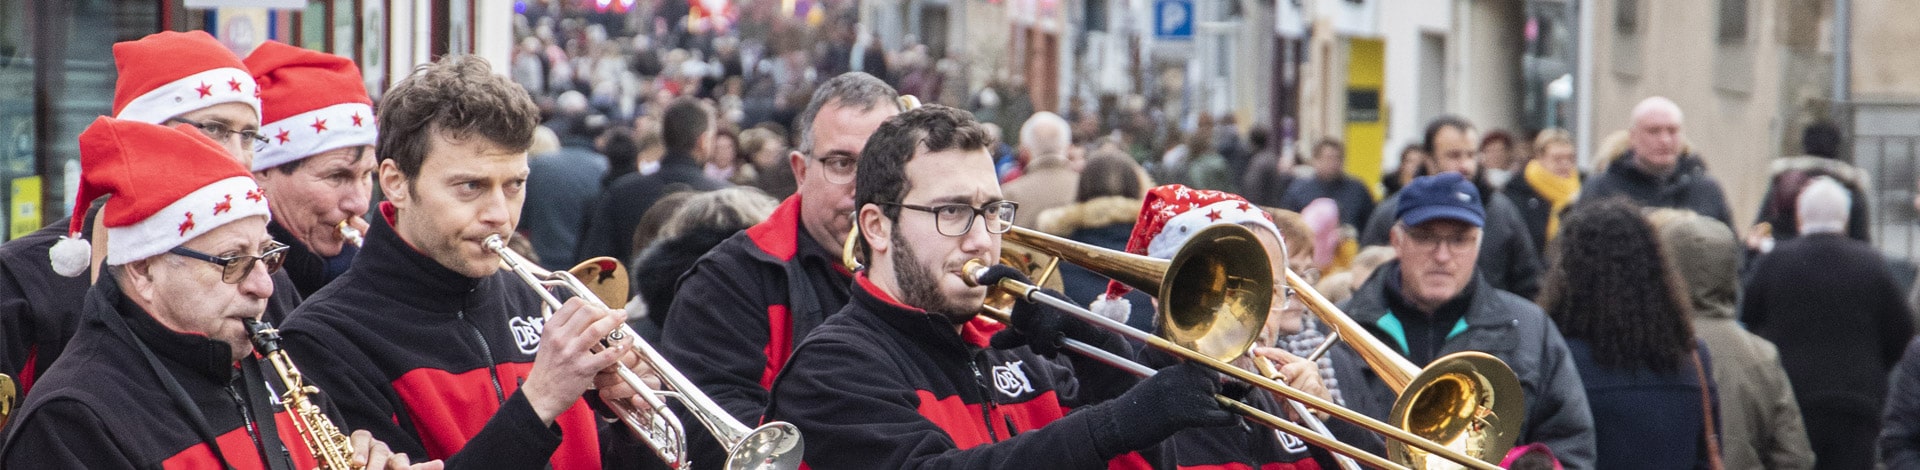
(775,445)
(1214,295)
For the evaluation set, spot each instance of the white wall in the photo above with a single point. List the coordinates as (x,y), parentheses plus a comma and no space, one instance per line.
(1403,22)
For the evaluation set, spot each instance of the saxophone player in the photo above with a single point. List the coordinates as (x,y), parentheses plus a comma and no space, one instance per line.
(161,373)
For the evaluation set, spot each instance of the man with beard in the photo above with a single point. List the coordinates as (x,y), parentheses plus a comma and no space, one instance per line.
(902,377)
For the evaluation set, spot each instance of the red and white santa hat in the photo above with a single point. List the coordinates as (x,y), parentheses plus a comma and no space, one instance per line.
(1171,214)
(314,102)
(169,185)
(171,73)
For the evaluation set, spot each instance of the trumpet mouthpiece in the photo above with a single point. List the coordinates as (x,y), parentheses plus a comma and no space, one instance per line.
(494,242)
(352,234)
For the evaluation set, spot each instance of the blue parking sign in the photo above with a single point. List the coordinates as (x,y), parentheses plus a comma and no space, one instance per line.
(1173,19)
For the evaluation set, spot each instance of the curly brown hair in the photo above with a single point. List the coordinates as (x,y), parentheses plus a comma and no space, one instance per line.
(1611,285)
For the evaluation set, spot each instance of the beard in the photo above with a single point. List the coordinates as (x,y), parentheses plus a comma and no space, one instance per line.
(920,286)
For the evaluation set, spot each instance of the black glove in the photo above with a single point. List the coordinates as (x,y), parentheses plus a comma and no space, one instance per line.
(1038,326)
(1176,398)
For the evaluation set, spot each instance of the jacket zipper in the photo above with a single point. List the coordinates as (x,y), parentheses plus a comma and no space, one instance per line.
(986,414)
(252,430)
(486,351)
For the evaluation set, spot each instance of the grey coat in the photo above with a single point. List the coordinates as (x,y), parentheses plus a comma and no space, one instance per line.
(1511,329)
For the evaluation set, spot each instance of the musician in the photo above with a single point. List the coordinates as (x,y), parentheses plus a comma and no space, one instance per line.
(317,163)
(162,373)
(166,78)
(745,304)
(1434,301)
(425,341)
(901,376)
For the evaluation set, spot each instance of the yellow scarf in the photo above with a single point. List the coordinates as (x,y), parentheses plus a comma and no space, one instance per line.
(1556,189)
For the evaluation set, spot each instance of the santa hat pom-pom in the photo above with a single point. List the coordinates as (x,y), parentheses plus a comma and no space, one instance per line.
(71,256)
(1115,308)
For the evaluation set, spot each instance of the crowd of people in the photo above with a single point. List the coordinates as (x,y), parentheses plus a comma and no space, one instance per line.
(798,238)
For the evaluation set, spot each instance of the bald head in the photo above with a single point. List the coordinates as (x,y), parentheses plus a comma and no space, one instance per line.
(1655,135)
(1045,137)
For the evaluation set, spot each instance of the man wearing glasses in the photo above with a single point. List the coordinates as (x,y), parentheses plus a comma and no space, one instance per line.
(903,375)
(743,306)
(169,78)
(167,328)
(1433,301)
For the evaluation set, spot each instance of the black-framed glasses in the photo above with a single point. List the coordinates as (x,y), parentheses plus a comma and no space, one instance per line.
(234,269)
(955,220)
(220,132)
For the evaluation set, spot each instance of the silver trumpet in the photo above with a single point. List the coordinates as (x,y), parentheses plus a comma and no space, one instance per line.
(775,445)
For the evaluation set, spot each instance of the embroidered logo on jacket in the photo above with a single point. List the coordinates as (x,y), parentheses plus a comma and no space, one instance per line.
(1290,443)
(526,332)
(1011,379)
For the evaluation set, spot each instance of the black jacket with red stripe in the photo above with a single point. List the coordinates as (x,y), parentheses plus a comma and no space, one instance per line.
(740,310)
(102,405)
(884,385)
(431,361)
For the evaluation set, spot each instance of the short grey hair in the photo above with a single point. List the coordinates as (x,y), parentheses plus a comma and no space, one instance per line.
(1046,135)
(727,209)
(851,89)
(1822,207)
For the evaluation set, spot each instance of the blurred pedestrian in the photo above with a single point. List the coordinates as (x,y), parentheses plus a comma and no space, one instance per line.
(1330,180)
(1658,170)
(1546,185)
(1048,182)
(687,130)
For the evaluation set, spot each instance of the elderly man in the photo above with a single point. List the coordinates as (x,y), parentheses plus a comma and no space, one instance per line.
(1830,304)
(1509,261)
(162,372)
(1434,301)
(1048,181)
(317,165)
(167,78)
(425,341)
(1658,171)
(744,305)
(895,379)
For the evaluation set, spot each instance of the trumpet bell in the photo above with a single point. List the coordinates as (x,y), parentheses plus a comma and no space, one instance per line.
(771,446)
(1469,401)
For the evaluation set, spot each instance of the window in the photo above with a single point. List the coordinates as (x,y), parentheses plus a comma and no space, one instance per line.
(1626,17)
(1733,22)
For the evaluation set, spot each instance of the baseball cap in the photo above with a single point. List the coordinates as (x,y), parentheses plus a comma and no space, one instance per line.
(1442,196)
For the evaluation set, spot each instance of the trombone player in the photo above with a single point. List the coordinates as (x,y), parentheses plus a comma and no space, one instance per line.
(903,376)
(1433,301)
(162,373)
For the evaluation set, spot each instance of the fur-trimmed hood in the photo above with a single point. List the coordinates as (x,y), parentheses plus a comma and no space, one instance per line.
(1845,172)
(1095,213)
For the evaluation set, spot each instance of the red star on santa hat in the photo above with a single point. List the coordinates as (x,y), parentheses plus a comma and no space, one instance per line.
(223,206)
(235,83)
(283,135)
(319,125)
(187,225)
(1213,215)
(205,90)
(1245,207)
(356,119)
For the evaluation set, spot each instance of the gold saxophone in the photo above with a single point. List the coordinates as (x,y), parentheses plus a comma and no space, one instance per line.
(333,449)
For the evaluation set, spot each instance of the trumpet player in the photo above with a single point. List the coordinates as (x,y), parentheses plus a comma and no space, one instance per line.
(161,373)
(904,376)
(424,340)
(317,163)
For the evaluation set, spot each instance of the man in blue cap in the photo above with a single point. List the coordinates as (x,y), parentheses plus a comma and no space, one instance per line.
(1433,302)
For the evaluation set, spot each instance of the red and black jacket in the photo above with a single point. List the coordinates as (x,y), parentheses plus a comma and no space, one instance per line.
(431,361)
(885,385)
(740,310)
(102,405)
(1245,446)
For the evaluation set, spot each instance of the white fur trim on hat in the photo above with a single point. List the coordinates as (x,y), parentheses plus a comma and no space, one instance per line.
(199,212)
(194,92)
(1181,227)
(1116,309)
(310,133)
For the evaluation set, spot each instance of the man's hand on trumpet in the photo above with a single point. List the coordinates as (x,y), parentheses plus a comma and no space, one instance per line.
(1040,327)
(567,363)
(1296,372)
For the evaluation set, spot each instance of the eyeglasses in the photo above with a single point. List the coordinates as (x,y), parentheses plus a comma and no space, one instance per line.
(1429,242)
(234,269)
(955,220)
(221,133)
(840,169)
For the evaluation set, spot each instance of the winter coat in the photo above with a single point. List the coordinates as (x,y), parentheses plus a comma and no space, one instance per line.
(1760,425)
(1900,424)
(1508,260)
(1045,185)
(1496,322)
(561,187)
(1644,418)
(611,220)
(1104,222)
(1688,186)
(1264,183)
(1792,173)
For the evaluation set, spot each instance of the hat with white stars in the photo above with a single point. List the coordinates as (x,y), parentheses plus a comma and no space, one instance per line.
(314,101)
(1171,214)
(170,73)
(169,185)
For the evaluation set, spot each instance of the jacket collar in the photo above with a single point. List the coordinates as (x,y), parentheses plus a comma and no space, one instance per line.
(198,354)
(931,333)
(1685,168)
(1370,303)
(400,271)
(307,269)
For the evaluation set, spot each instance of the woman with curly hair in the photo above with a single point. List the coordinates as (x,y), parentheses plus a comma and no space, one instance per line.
(1624,313)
